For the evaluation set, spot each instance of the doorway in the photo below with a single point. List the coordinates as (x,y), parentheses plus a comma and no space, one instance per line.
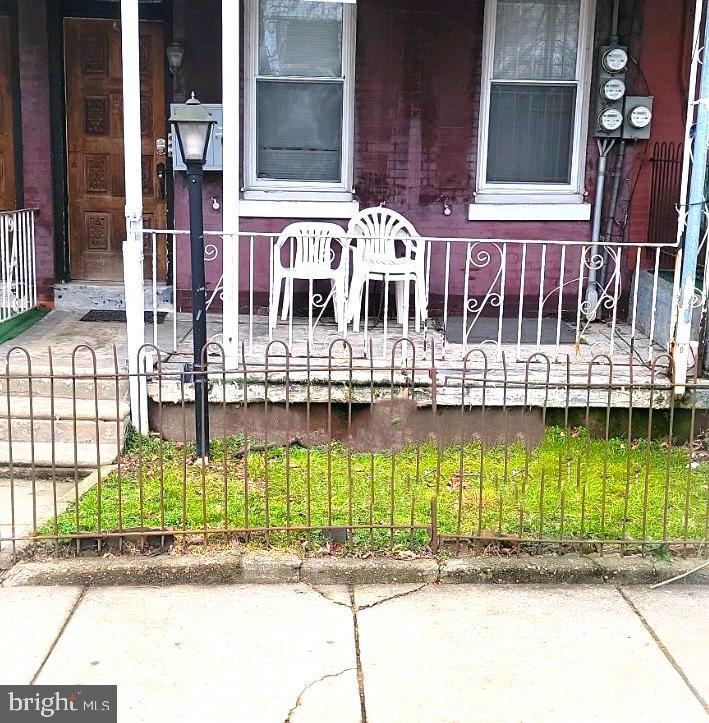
(94,127)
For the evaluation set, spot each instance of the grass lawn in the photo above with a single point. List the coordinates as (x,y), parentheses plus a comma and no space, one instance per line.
(568,486)
(19,324)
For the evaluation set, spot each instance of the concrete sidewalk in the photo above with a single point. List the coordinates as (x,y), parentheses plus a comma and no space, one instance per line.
(380,654)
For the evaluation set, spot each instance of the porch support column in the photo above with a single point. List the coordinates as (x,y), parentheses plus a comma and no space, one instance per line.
(231,62)
(133,245)
(695,211)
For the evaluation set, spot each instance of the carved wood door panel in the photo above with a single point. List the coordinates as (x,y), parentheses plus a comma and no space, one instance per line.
(7,147)
(96,184)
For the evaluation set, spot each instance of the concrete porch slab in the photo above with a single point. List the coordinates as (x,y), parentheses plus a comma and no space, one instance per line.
(63,332)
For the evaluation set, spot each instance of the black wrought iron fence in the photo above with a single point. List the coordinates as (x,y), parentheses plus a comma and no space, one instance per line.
(666,162)
(342,453)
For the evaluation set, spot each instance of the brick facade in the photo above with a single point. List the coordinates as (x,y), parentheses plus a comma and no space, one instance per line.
(417,97)
(36,135)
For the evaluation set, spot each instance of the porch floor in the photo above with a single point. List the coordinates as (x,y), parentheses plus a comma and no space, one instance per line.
(511,382)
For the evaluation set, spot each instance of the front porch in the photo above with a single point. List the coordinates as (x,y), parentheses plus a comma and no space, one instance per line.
(510,375)
(567,305)
(496,379)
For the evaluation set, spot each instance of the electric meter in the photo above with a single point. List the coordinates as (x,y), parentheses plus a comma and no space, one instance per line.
(640,116)
(615,59)
(613,89)
(610,119)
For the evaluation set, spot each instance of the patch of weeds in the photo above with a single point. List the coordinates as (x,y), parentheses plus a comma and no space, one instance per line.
(659,552)
(569,486)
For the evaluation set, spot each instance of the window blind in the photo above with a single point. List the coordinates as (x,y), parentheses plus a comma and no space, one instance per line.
(533,91)
(299,91)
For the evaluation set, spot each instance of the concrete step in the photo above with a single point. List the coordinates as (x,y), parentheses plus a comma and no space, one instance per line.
(62,455)
(62,386)
(64,431)
(38,407)
(77,296)
(65,421)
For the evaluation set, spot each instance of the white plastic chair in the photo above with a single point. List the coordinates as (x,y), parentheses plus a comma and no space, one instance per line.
(311,256)
(386,247)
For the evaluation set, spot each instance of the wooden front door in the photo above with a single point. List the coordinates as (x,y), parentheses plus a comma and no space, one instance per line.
(7,145)
(96,182)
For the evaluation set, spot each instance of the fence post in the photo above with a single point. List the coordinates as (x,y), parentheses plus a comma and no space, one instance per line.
(435,543)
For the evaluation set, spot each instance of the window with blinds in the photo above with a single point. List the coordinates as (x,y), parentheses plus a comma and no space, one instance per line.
(299,88)
(533,92)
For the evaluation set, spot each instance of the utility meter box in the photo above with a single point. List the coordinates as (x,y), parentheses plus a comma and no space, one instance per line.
(637,117)
(612,64)
(215,150)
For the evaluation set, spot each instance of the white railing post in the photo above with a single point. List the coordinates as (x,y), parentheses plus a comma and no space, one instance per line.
(18,263)
(231,63)
(133,245)
(693,216)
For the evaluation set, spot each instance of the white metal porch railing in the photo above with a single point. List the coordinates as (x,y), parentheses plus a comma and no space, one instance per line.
(511,295)
(18,269)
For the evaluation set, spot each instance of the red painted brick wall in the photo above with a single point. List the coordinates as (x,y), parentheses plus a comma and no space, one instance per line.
(36,144)
(664,61)
(417,100)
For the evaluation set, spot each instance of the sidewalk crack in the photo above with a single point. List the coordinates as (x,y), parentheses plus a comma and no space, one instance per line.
(358,657)
(299,699)
(664,650)
(393,597)
(325,595)
(68,618)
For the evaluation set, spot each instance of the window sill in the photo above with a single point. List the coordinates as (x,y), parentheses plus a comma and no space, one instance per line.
(497,211)
(298,209)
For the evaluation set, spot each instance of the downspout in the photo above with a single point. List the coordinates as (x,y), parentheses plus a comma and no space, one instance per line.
(591,302)
(696,204)
(614,22)
(595,262)
(613,202)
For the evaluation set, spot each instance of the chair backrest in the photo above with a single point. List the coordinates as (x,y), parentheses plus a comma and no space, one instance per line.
(310,243)
(376,231)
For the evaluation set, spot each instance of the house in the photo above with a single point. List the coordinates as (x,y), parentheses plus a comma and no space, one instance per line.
(477,120)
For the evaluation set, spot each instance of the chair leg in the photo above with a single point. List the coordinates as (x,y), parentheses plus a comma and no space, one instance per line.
(421,302)
(339,300)
(286,299)
(336,287)
(355,301)
(417,304)
(400,291)
(357,310)
(273,303)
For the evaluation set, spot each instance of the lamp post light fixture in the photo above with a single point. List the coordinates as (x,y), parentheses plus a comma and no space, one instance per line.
(175,53)
(193,125)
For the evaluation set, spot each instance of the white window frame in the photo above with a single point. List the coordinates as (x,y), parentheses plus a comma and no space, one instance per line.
(266,189)
(493,192)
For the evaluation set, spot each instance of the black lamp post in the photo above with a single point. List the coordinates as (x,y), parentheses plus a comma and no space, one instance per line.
(193,125)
